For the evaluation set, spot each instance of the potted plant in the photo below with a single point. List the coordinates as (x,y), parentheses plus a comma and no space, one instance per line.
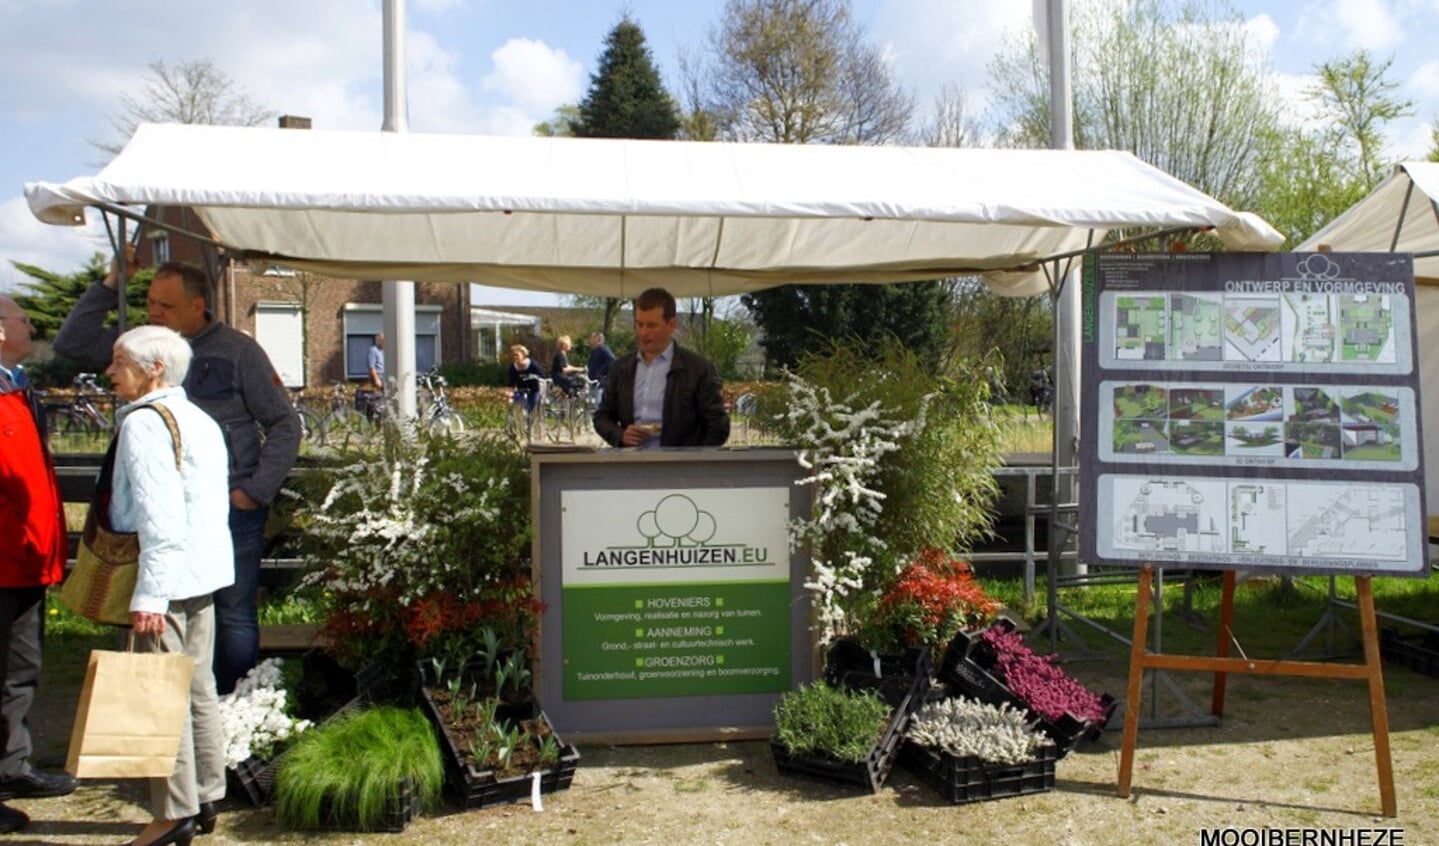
(364,770)
(932,599)
(845,736)
(971,751)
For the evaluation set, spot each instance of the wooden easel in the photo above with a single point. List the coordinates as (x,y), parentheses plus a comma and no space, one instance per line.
(1222,665)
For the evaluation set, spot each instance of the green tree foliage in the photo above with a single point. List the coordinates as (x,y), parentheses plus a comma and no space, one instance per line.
(1179,83)
(190,92)
(1434,136)
(1332,160)
(626,98)
(559,126)
(722,342)
(799,318)
(1355,101)
(1011,334)
(799,72)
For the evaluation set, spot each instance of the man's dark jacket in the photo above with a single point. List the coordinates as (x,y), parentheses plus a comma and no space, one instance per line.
(694,412)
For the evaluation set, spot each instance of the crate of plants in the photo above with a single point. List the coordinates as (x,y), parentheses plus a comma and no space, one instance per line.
(996,666)
(970,751)
(845,735)
(1419,652)
(498,745)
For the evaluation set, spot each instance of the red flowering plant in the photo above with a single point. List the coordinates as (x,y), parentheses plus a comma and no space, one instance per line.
(1043,686)
(931,599)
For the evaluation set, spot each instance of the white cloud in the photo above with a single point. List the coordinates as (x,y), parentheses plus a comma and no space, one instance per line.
(1263,32)
(932,43)
(534,76)
(62,249)
(1368,24)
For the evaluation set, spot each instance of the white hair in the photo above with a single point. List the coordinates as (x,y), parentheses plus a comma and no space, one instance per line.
(148,345)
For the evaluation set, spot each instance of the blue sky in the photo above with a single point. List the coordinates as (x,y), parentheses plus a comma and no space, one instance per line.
(499,66)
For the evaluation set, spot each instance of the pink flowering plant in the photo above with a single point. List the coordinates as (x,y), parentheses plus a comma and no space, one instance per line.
(1038,681)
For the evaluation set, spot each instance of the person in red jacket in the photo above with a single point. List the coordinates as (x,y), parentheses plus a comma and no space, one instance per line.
(32,556)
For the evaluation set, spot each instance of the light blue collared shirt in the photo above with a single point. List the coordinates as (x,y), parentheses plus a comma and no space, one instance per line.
(650,387)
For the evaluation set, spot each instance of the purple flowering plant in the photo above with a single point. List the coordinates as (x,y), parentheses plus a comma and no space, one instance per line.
(1039,681)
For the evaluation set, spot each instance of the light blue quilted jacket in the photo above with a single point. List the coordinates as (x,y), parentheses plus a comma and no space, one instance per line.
(183,518)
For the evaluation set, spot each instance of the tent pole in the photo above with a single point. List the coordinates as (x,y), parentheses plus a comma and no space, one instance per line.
(398,295)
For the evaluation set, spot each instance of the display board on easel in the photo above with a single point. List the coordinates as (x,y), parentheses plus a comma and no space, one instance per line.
(1255,412)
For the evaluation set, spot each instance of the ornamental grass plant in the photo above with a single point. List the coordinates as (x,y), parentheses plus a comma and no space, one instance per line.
(347,772)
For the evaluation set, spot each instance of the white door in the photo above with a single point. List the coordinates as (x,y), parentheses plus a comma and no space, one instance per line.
(279,329)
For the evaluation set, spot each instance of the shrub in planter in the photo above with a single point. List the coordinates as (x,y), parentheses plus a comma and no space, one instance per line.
(352,771)
(816,719)
(933,598)
(964,727)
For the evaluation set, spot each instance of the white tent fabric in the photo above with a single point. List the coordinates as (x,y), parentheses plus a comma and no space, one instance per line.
(1405,205)
(1401,215)
(612,217)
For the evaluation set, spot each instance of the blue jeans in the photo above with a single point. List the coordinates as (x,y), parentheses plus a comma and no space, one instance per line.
(237,626)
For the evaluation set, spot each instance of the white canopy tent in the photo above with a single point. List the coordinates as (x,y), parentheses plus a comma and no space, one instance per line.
(612,217)
(1402,215)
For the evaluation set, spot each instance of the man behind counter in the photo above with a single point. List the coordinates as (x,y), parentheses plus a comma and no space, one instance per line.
(662,394)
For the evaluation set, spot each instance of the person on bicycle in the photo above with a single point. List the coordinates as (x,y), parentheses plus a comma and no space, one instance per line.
(1041,389)
(524,376)
(560,367)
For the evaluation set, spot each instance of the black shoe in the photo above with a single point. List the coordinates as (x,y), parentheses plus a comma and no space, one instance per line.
(205,820)
(180,834)
(37,785)
(12,819)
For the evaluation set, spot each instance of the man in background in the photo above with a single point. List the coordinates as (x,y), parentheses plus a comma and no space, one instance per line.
(375,361)
(232,379)
(32,555)
(662,394)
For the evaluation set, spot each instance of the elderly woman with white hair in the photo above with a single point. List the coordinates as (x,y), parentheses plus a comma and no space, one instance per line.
(181,511)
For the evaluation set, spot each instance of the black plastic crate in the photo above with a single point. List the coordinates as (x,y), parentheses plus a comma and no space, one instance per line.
(969,779)
(401,806)
(471,787)
(875,768)
(897,678)
(967,669)
(1418,652)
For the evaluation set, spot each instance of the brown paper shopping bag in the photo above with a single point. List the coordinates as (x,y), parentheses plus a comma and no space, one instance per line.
(132,710)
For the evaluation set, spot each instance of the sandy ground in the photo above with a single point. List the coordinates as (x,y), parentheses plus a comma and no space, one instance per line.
(1289,754)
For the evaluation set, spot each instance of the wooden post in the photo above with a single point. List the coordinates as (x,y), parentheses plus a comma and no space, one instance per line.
(1378,707)
(1221,650)
(1136,678)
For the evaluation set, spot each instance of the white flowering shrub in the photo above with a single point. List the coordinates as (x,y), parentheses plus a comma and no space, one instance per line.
(255,716)
(962,727)
(900,459)
(417,543)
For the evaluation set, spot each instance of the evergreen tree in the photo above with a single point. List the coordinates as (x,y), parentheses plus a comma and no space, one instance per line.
(798,318)
(626,98)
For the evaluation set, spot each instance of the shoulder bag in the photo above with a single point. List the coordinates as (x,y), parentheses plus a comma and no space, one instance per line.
(107,562)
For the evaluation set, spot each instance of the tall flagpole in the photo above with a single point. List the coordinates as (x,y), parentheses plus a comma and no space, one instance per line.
(398,296)
(1065,357)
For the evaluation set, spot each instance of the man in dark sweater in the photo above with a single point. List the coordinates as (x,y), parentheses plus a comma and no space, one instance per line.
(232,379)
(663,394)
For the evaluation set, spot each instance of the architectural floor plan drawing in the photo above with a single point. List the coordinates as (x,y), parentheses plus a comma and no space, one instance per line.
(1346,521)
(1169,515)
(1257,519)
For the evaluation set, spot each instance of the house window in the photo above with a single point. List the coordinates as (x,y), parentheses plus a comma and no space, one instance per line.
(363,322)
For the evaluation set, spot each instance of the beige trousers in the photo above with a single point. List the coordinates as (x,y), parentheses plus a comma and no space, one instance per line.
(199,774)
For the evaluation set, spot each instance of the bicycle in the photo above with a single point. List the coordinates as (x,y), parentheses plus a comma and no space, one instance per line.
(520,420)
(312,428)
(346,419)
(569,412)
(436,413)
(80,416)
